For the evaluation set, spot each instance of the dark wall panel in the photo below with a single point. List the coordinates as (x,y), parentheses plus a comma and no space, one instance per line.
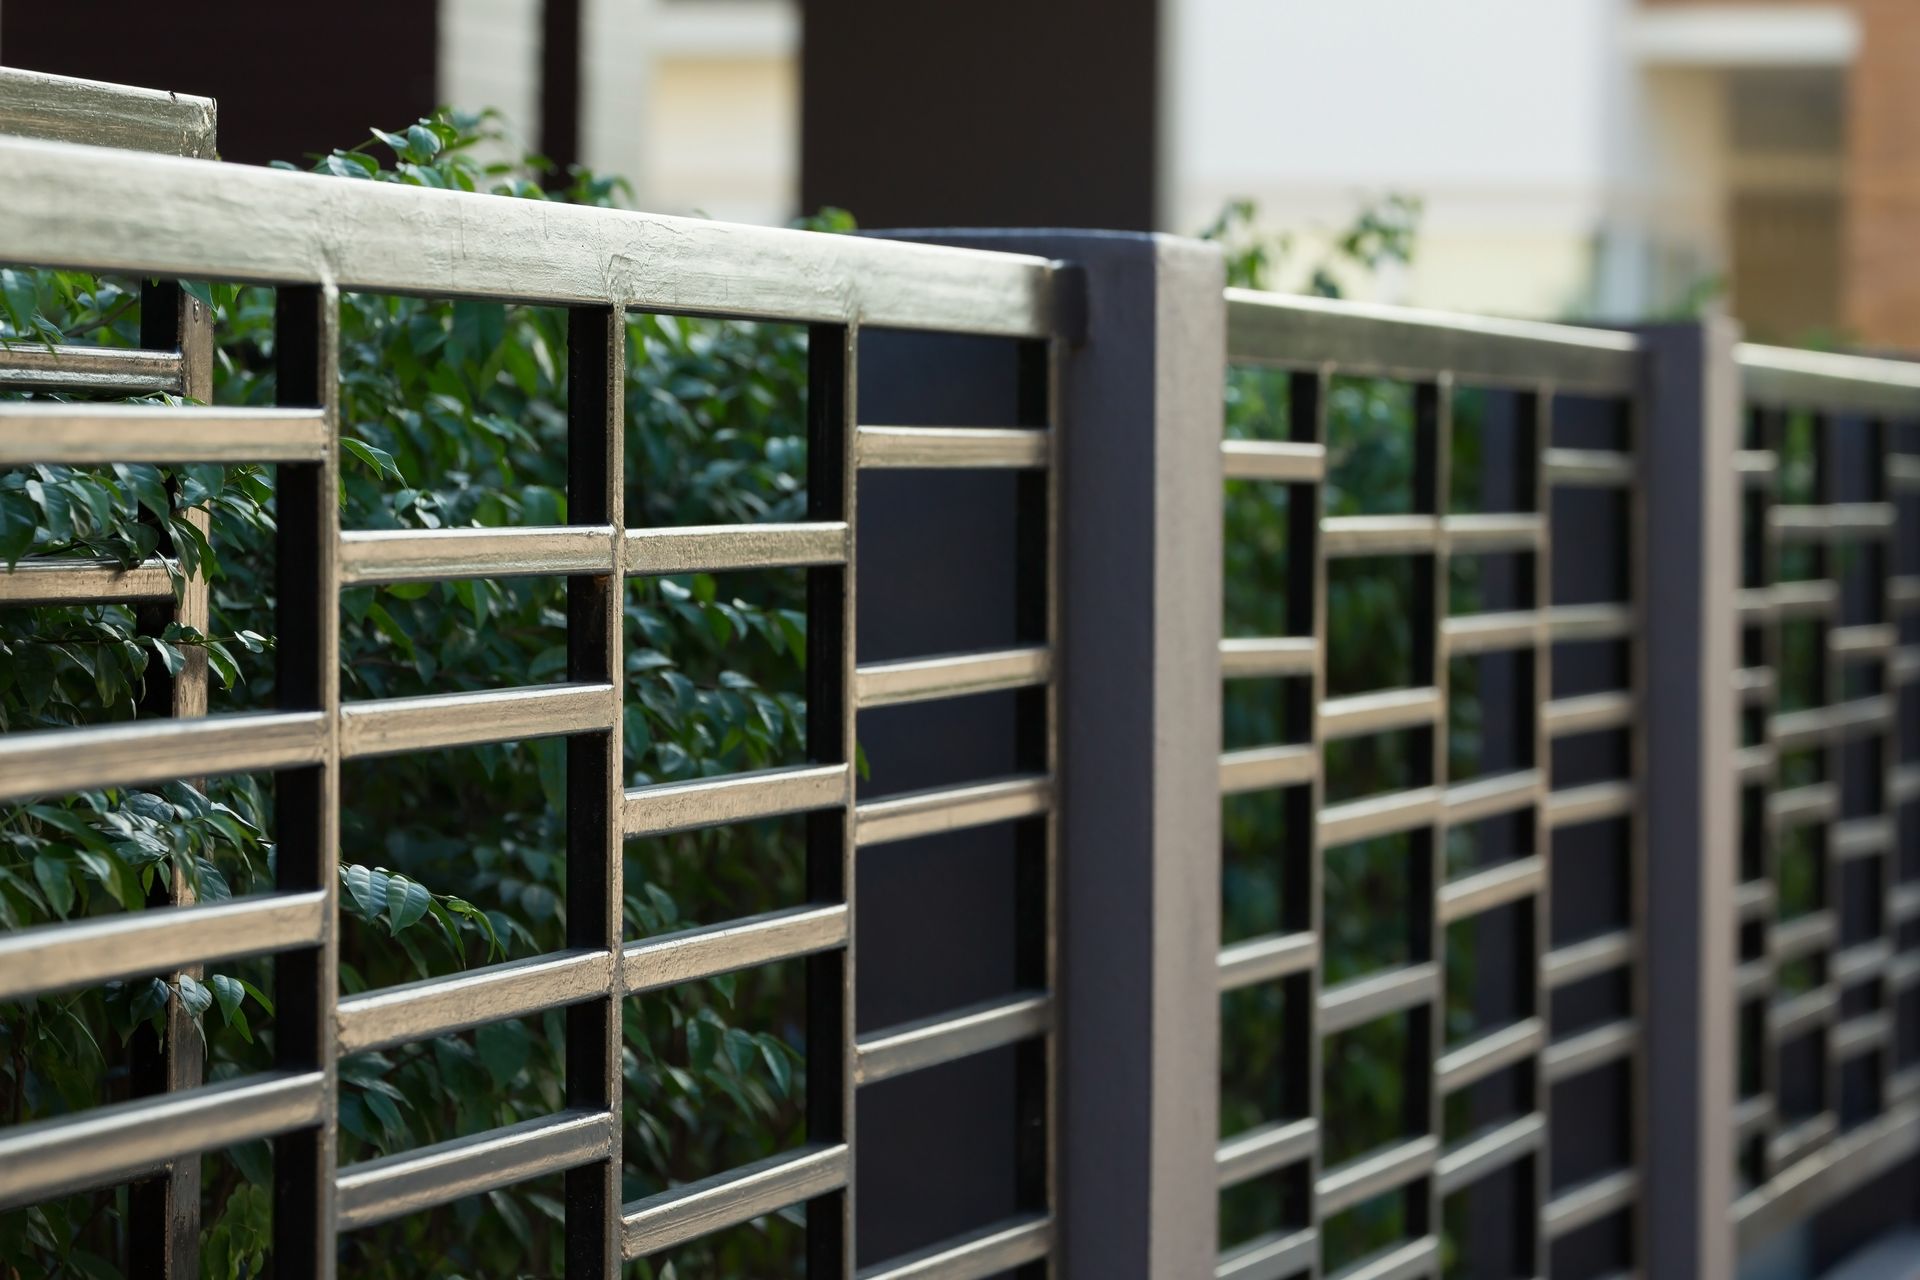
(290,78)
(991,113)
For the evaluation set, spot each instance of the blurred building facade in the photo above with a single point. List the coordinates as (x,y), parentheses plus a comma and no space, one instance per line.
(1606,159)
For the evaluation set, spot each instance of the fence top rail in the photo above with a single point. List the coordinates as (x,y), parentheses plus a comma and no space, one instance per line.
(1404,342)
(34,104)
(1783,378)
(92,208)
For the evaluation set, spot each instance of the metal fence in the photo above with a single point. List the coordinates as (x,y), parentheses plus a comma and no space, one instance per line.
(1620,1030)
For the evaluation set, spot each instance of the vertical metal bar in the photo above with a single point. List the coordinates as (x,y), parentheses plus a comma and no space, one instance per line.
(1686,472)
(596,495)
(1432,480)
(1537,438)
(307,676)
(1775,438)
(1034,933)
(832,480)
(1309,400)
(167,1208)
(1827,466)
(1880,465)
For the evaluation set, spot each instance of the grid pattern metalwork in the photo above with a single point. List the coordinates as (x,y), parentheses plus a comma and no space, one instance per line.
(62,206)
(1827,898)
(1316,341)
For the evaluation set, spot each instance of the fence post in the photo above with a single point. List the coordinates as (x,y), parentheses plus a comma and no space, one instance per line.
(1139,408)
(1690,429)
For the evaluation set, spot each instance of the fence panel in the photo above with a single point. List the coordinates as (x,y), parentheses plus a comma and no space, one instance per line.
(1455,1131)
(1827,1095)
(311,237)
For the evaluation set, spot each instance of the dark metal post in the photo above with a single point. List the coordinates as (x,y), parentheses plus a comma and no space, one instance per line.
(1141,400)
(1691,430)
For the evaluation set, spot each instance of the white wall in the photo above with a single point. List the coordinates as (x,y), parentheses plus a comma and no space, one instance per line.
(1496,112)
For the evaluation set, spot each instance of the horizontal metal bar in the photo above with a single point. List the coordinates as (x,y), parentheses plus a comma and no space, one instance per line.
(1903,1085)
(158,940)
(1755,686)
(1362,1000)
(1359,1181)
(1493,632)
(1384,815)
(437,721)
(127,1140)
(203,220)
(434,1007)
(1798,1141)
(944,809)
(1852,1160)
(1903,971)
(1798,1015)
(1751,1116)
(728,1199)
(1860,838)
(1811,598)
(1491,796)
(1595,802)
(1903,903)
(428,555)
(1903,471)
(977,1255)
(34,104)
(1494,887)
(1866,640)
(1383,341)
(1904,592)
(1470,1063)
(1249,1155)
(1264,768)
(101,434)
(1754,764)
(1753,980)
(957,447)
(724,548)
(26,365)
(1494,532)
(1757,468)
(1903,665)
(1381,712)
(1280,461)
(1798,806)
(1595,468)
(1587,1050)
(1862,1033)
(1861,716)
(1267,656)
(84,582)
(734,797)
(948,1037)
(61,761)
(1588,713)
(1414,1260)
(376,1191)
(1274,1256)
(1804,935)
(1859,962)
(1462,1166)
(1567,623)
(1833,520)
(1588,958)
(1379,535)
(952,675)
(688,955)
(1589,1202)
(1787,378)
(1268,959)
(1906,784)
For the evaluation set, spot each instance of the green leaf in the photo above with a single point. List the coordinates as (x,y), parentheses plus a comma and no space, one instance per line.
(377,460)
(504,1048)
(774,1054)
(170,658)
(54,881)
(228,992)
(406,902)
(193,994)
